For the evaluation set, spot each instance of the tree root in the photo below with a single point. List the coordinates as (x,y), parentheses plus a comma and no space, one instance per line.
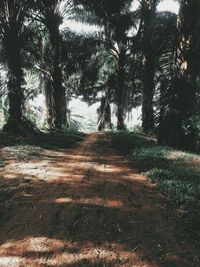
(22,127)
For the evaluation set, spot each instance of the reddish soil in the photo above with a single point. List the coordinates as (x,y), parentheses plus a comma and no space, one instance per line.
(84,207)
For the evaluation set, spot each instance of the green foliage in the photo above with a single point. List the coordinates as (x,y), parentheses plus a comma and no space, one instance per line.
(180,99)
(66,140)
(176,173)
(25,147)
(127,141)
(150,157)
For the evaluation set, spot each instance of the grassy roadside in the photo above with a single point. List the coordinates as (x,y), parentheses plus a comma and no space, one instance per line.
(176,174)
(32,147)
(47,140)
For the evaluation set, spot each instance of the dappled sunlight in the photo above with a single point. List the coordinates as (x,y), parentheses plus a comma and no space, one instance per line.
(31,244)
(183,156)
(108,168)
(79,207)
(134,176)
(112,203)
(11,261)
(71,168)
(37,251)
(188,162)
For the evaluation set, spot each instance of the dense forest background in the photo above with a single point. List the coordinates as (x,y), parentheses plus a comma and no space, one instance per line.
(133,58)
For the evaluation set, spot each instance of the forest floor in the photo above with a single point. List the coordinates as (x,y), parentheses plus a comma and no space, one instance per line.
(84,206)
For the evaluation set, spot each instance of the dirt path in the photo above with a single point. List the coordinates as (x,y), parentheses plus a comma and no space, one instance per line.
(83,207)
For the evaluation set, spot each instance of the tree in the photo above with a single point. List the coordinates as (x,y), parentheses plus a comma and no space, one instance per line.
(148,14)
(50,15)
(116,20)
(96,84)
(13,15)
(179,126)
(165,42)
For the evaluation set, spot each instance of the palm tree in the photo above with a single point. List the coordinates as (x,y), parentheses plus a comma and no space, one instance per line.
(13,14)
(50,15)
(116,19)
(181,119)
(165,40)
(120,91)
(148,14)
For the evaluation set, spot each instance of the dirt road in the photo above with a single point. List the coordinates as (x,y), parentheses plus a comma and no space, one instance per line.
(83,207)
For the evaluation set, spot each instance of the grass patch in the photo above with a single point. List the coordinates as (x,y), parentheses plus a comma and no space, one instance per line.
(47,141)
(32,148)
(127,141)
(176,173)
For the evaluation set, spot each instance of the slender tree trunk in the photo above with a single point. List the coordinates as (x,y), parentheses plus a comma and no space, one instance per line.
(162,99)
(120,118)
(48,93)
(108,115)
(149,12)
(148,92)
(58,93)
(121,93)
(104,115)
(47,83)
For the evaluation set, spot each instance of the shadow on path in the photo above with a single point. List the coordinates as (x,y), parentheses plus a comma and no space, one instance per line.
(84,207)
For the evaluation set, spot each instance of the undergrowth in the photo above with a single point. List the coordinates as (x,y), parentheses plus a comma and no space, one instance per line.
(47,140)
(176,173)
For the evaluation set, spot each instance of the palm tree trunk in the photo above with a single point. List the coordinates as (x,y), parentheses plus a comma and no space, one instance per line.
(59,98)
(49,101)
(148,92)
(15,76)
(121,94)
(120,118)
(148,14)
(104,115)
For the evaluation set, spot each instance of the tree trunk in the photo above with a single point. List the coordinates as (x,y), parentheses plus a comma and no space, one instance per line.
(162,106)
(120,118)
(121,93)
(15,77)
(104,115)
(50,106)
(148,14)
(148,92)
(58,91)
